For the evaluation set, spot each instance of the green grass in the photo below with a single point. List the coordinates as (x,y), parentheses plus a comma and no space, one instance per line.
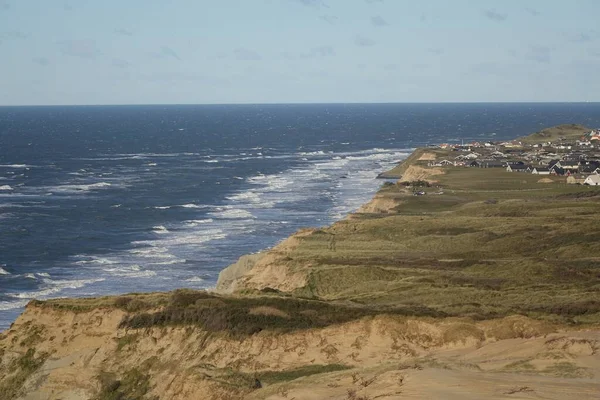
(235,316)
(567,132)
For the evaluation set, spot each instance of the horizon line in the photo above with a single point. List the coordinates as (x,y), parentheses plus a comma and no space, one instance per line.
(294,103)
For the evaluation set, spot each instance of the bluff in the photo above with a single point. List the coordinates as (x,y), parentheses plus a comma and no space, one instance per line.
(453,283)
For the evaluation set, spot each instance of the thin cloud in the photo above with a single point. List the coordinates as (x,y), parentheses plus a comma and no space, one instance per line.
(123,32)
(330,19)
(436,50)
(318,52)
(169,52)
(533,12)
(243,54)
(14,35)
(120,63)
(311,3)
(79,48)
(43,61)
(540,54)
(378,21)
(583,37)
(495,16)
(363,41)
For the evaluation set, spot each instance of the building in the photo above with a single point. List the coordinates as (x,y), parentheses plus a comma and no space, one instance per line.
(518,168)
(541,171)
(576,179)
(592,180)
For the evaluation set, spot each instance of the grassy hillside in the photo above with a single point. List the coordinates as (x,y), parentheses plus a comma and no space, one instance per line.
(567,132)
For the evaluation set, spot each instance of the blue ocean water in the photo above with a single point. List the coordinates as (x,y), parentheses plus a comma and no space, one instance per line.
(115,199)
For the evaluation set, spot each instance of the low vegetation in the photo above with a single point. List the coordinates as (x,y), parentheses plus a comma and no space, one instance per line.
(17,373)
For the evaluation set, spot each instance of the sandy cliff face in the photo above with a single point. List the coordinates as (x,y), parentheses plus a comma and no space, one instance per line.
(269,269)
(86,355)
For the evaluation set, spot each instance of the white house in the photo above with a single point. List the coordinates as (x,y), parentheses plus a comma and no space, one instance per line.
(541,171)
(592,180)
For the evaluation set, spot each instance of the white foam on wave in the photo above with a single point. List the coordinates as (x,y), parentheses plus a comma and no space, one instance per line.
(195,222)
(232,213)
(190,205)
(55,286)
(195,279)
(152,250)
(3,271)
(163,207)
(79,188)
(130,271)
(94,260)
(6,188)
(16,166)
(11,305)
(161,230)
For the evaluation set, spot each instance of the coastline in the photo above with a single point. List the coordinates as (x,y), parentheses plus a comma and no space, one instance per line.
(454,281)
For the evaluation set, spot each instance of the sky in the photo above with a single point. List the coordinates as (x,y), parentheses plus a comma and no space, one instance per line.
(55,52)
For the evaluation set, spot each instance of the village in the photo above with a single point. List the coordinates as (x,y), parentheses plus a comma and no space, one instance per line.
(577,159)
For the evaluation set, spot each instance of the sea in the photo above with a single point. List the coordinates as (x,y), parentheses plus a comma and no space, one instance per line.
(99,200)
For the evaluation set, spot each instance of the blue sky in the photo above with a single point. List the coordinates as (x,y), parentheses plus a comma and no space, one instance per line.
(289,51)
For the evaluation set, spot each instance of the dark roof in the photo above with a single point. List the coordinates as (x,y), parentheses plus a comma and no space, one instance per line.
(518,166)
(542,169)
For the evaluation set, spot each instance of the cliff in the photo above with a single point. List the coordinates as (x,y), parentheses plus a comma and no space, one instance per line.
(483,286)
(67,350)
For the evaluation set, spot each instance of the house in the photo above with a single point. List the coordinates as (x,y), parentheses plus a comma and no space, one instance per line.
(570,165)
(589,169)
(576,179)
(554,162)
(556,170)
(517,168)
(474,163)
(541,171)
(592,180)
(443,163)
(491,164)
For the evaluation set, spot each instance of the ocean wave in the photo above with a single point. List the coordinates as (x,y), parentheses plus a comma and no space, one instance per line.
(131,271)
(152,250)
(16,166)
(192,206)
(55,286)
(79,188)
(11,305)
(3,271)
(94,260)
(232,213)
(195,279)
(195,222)
(160,229)
(159,249)
(6,188)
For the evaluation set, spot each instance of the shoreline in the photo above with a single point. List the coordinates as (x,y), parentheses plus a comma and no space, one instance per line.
(455,281)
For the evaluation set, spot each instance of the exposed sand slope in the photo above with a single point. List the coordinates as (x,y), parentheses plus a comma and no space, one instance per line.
(416,173)
(390,357)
